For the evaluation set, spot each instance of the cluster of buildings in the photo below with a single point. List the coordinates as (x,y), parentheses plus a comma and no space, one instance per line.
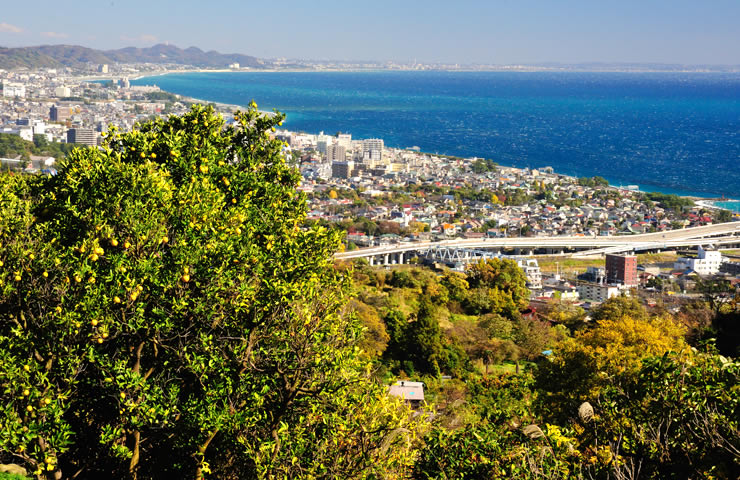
(64,106)
(621,274)
(531,202)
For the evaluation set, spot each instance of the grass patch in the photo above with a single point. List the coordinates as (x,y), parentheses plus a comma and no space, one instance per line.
(507,367)
(456,317)
(579,265)
(662,257)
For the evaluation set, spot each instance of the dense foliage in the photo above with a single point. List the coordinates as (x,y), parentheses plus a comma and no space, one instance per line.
(482,165)
(162,315)
(622,395)
(593,181)
(669,201)
(12,146)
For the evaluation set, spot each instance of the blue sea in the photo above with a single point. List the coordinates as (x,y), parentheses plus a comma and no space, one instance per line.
(668,132)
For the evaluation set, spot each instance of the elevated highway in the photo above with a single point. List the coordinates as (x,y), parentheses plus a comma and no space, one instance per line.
(719,234)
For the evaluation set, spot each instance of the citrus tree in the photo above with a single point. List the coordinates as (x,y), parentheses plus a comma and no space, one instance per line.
(163,314)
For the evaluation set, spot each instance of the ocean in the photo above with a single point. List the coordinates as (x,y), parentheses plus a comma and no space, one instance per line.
(668,132)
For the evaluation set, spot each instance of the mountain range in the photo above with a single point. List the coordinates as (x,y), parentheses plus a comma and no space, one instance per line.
(56,56)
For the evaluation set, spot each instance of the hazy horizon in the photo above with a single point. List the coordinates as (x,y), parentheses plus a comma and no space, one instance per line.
(499,32)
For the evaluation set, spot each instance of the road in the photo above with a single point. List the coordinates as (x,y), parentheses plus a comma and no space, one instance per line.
(722,233)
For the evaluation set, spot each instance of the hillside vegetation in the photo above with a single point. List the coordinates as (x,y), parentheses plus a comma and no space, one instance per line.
(56,56)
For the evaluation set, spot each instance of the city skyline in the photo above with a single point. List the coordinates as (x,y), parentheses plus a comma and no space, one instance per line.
(467,32)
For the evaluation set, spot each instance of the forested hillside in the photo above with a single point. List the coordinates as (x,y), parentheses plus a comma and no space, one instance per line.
(55,56)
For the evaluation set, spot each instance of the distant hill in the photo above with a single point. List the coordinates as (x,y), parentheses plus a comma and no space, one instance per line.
(53,56)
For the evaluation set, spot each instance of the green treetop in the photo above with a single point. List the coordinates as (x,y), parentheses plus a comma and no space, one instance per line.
(162,315)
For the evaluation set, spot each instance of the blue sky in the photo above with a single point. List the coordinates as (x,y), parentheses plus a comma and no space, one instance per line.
(453,31)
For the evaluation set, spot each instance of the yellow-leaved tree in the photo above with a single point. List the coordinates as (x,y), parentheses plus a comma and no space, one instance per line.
(610,353)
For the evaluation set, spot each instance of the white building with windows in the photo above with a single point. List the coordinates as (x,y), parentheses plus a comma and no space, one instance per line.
(63,92)
(345,140)
(531,269)
(14,90)
(707,262)
(599,292)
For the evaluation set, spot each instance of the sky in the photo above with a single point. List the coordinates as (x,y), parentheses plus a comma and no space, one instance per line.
(447,31)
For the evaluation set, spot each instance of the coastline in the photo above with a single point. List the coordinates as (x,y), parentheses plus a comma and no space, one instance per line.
(704,200)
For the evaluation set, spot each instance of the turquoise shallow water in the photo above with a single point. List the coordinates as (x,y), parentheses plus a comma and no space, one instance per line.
(732,205)
(675,133)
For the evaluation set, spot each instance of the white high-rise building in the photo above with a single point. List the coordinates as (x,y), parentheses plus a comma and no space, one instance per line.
(372,151)
(323,142)
(372,144)
(345,140)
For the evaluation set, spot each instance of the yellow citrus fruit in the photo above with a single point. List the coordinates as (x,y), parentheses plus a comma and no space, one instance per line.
(116,300)
(114,242)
